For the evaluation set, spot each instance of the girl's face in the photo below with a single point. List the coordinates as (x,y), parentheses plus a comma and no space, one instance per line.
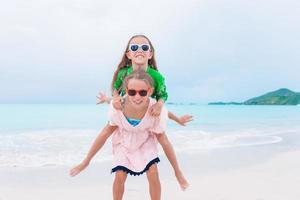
(138,92)
(141,55)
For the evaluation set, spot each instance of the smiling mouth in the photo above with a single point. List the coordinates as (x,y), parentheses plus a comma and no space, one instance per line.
(138,102)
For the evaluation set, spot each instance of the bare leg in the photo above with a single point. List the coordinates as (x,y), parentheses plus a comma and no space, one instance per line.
(154,183)
(119,184)
(169,151)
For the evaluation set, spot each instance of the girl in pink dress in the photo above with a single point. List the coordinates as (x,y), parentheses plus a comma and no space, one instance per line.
(135,137)
(139,53)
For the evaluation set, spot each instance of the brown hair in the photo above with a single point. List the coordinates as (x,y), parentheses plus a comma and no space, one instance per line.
(139,75)
(125,62)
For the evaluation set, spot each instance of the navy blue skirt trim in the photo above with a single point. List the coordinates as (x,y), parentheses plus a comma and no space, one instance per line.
(128,171)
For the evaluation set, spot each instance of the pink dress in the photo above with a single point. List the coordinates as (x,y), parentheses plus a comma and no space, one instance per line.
(135,147)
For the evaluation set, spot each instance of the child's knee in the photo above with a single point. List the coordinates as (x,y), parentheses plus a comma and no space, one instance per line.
(152,173)
(120,177)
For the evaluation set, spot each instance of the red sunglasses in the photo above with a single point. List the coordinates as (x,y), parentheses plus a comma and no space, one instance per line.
(132,92)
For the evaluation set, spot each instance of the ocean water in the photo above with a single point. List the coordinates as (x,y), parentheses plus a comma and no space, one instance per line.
(39,135)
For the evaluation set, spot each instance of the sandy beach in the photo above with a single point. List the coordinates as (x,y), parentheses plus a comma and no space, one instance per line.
(271,177)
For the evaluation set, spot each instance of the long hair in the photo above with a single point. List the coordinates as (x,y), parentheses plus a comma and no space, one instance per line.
(125,62)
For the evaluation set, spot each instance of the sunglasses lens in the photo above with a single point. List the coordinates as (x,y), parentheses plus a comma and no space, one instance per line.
(134,47)
(145,47)
(131,92)
(143,93)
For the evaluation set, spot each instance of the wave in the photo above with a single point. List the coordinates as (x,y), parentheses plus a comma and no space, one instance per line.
(200,140)
(48,148)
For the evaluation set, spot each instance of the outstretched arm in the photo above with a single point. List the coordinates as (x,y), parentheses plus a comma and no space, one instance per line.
(116,99)
(97,145)
(180,120)
(156,108)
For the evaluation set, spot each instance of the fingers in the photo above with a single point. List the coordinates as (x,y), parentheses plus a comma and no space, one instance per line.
(74,172)
(101,93)
(186,121)
(182,123)
(187,118)
(153,112)
(100,99)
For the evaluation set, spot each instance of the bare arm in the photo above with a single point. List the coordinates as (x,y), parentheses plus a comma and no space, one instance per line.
(173,117)
(100,141)
(170,153)
(97,145)
(168,149)
(102,98)
(155,111)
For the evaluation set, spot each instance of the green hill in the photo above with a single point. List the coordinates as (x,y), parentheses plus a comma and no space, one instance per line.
(279,97)
(282,96)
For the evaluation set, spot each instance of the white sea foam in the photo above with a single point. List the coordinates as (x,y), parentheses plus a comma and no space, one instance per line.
(69,147)
(48,148)
(190,141)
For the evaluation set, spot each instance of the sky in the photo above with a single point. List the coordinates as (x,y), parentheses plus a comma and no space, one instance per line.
(63,51)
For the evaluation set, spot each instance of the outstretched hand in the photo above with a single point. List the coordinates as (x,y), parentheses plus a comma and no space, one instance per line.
(102,98)
(185,119)
(76,170)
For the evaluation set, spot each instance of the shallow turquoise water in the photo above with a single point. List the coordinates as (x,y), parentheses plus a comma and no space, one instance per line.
(80,116)
(60,134)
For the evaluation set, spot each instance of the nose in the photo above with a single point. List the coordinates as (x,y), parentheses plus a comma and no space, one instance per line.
(140,49)
(137,96)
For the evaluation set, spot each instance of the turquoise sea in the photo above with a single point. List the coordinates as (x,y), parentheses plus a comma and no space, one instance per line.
(35,135)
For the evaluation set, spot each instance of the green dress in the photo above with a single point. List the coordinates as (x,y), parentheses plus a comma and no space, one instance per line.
(160,91)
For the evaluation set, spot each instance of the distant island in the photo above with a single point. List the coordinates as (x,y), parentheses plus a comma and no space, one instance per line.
(282,96)
(174,103)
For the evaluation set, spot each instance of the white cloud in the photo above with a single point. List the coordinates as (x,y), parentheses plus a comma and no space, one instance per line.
(209,47)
